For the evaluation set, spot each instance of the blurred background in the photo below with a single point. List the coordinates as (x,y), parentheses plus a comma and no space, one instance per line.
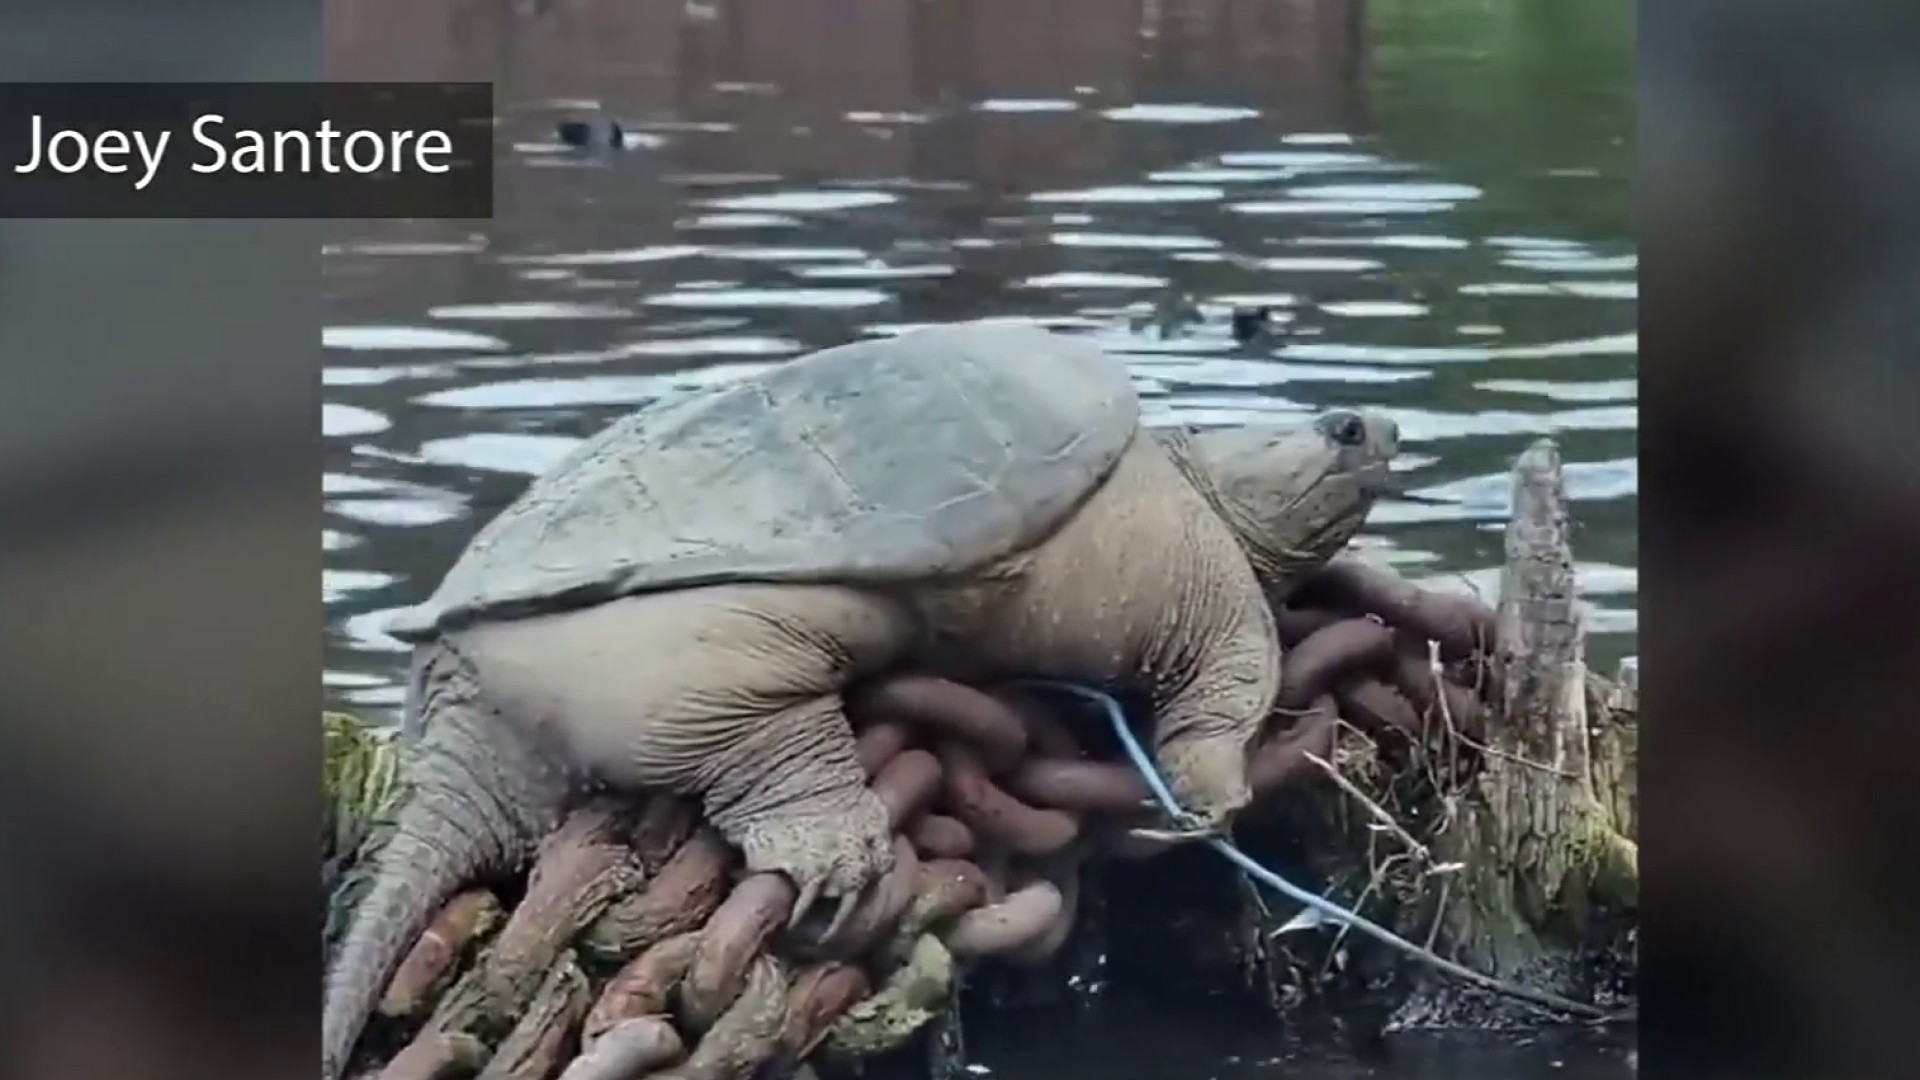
(1431,197)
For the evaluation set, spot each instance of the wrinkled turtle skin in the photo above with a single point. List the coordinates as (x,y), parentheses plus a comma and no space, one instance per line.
(679,603)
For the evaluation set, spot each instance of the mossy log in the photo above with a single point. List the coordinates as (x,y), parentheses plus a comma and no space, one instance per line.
(1450,768)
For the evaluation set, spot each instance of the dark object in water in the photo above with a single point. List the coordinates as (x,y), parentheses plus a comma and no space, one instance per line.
(1251,322)
(587,135)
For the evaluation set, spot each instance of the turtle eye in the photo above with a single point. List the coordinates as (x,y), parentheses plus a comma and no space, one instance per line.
(1345,428)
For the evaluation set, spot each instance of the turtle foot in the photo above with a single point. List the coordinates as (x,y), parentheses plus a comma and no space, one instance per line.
(1208,777)
(831,854)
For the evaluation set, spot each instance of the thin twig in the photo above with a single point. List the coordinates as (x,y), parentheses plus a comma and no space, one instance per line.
(1455,735)
(1439,910)
(1373,808)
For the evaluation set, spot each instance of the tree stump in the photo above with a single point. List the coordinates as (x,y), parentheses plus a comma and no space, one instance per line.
(1541,834)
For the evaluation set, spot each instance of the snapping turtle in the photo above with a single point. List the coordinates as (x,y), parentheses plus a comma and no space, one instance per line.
(679,603)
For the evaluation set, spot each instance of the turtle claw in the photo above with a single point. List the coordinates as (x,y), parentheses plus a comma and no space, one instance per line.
(1173,836)
(809,893)
(1185,827)
(849,903)
(835,854)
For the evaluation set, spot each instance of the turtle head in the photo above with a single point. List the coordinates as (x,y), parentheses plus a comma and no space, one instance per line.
(1296,493)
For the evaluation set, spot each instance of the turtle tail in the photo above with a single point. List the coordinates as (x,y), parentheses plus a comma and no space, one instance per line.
(479,797)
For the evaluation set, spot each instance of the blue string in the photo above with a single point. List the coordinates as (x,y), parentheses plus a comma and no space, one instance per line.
(1117,717)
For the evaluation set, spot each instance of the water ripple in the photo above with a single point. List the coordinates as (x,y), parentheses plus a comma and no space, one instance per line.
(1304,265)
(1134,241)
(1173,113)
(803,202)
(1407,192)
(1356,207)
(1027,105)
(386,338)
(1089,279)
(527,455)
(1374,309)
(717,299)
(623,257)
(1133,194)
(511,311)
(338,421)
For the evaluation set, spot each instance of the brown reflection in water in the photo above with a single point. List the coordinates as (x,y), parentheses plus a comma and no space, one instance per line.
(784,75)
(671,59)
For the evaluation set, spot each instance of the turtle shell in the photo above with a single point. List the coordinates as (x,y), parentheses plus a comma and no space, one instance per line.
(923,455)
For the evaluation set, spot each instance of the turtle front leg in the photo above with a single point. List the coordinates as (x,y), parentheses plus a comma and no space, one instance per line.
(728,695)
(1206,727)
(790,793)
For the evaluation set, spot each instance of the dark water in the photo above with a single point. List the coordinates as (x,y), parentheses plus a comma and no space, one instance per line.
(1432,193)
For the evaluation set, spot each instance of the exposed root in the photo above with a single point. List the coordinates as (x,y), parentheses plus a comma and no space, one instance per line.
(747,1034)
(910,997)
(644,988)
(682,897)
(821,995)
(429,967)
(1296,624)
(1020,920)
(733,938)
(1048,737)
(1331,653)
(943,708)
(878,742)
(437,1055)
(907,784)
(582,867)
(1460,624)
(548,1031)
(947,889)
(937,836)
(631,1048)
(996,816)
(1064,876)
(1284,756)
(1081,786)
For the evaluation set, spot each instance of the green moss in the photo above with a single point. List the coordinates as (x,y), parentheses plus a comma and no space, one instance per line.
(911,997)
(1610,863)
(360,774)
